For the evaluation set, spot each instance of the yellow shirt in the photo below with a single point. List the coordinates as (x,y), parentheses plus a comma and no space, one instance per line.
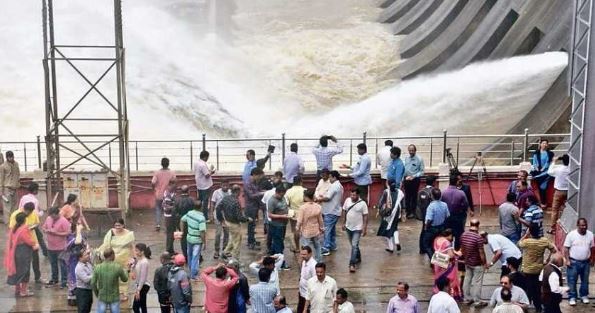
(31,220)
(295,197)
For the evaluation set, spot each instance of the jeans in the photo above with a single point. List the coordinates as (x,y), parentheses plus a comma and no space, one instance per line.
(219,231)
(35,265)
(102,306)
(313,243)
(84,300)
(194,258)
(576,270)
(534,290)
(203,197)
(411,187)
(182,309)
(252,213)
(170,228)
(515,237)
(140,305)
(55,263)
(330,234)
(277,238)
(158,211)
(354,238)
(473,282)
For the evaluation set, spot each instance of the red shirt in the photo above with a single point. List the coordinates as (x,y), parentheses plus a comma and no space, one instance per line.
(471,242)
(161,179)
(217,290)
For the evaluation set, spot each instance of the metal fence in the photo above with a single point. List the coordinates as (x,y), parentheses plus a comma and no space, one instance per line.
(228,155)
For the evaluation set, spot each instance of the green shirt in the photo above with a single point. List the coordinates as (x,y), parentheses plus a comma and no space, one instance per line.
(105,281)
(196,225)
(533,253)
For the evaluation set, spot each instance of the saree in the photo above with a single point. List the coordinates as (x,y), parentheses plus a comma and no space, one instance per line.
(451,272)
(18,255)
(122,246)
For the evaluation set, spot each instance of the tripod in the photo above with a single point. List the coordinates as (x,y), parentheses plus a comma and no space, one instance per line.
(452,163)
(480,175)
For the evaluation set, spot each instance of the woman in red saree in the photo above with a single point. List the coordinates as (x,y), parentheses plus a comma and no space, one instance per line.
(443,244)
(17,259)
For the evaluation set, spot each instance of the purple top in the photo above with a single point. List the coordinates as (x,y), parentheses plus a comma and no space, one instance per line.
(455,199)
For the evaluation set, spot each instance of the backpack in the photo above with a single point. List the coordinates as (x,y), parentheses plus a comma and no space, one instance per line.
(424,197)
(385,208)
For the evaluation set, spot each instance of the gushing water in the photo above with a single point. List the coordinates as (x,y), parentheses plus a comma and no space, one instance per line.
(298,66)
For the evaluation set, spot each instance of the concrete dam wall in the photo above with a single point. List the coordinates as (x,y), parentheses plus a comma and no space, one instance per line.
(445,35)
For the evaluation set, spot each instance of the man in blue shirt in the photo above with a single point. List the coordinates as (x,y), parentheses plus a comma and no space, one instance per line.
(253,163)
(361,171)
(414,169)
(293,165)
(435,221)
(396,170)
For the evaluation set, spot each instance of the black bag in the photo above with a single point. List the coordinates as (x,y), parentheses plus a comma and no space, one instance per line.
(386,204)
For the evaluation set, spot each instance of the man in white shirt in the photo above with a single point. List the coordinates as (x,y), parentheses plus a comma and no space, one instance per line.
(220,230)
(280,304)
(503,248)
(443,302)
(355,217)
(308,271)
(578,249)
(204,181)
(273,263)
(551,284)
(506,306)
(321,292)
(341,304)
(331,212)
(518,295)
(31,196)
(383,159)
(323,184)
(560,172)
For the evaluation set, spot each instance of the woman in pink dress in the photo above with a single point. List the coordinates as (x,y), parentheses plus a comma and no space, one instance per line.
(443,244)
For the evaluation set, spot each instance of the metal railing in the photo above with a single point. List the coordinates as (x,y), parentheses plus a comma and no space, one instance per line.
(228,154)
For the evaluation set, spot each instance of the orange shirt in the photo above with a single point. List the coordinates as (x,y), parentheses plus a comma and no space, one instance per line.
(67,211)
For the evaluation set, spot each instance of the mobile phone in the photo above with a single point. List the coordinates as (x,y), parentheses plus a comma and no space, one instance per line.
(271,149)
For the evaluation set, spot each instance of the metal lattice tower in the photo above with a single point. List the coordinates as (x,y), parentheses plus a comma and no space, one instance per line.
(582,89)
(63,117)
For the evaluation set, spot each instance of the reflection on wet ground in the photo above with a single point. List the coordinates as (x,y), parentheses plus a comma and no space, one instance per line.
(370,287)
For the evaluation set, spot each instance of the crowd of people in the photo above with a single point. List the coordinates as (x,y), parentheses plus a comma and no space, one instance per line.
(531,264)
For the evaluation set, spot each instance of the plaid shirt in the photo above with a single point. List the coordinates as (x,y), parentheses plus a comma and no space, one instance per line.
(261,297)
(231,210)
(324,156)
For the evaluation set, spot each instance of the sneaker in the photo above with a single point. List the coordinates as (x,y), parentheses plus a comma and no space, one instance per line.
(572,302)
(398,247)
(286,267)
(351,268)
(326,252)
(585,300)
(388,250)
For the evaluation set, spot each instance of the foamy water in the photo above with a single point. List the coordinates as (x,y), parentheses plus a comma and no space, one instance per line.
(303,67)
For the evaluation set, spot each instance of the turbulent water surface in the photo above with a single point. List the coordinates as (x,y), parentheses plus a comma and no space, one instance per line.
(259,67)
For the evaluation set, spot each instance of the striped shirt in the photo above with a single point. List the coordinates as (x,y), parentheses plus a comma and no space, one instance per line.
(261,297)
(471,243)
(533,215)
(324,156)
(196,225)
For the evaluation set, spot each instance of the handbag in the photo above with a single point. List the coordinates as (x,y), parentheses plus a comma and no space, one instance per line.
(386,209)
(441,259)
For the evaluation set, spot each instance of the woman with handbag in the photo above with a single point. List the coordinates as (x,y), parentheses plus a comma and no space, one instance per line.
(445,263)
(121,240)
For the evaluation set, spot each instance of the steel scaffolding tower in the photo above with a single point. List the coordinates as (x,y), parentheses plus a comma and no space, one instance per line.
(61,116)
(582,144)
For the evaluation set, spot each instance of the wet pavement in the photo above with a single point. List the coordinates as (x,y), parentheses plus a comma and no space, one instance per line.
(370,287)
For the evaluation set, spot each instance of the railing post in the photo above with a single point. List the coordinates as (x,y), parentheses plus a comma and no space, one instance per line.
(526,145)
(458,147)
(444,137)
(38,152)
(283,147)
(217,153)
(191,155)
(270,159)
(364,137)
(109,154)
(376,144)
(136,154)
(350,152)
(512,153)
(25,154)
(431,150)
(204,142)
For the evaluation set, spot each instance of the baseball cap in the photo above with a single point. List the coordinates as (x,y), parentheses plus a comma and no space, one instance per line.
(179,259)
